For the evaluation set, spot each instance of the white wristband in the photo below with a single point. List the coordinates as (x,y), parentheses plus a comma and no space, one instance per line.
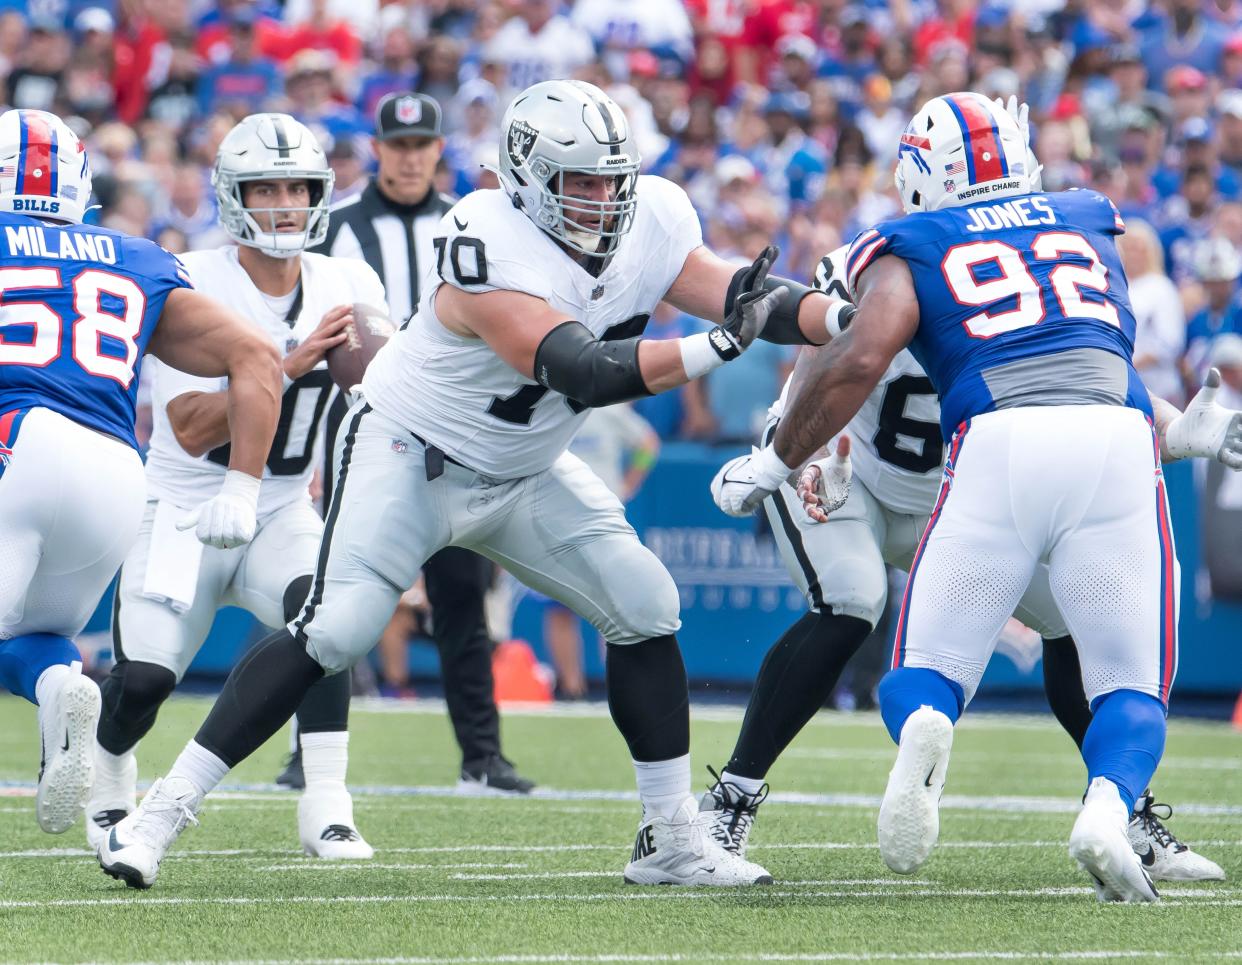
(242,484)
(770,470)
(832,317)
(697,355)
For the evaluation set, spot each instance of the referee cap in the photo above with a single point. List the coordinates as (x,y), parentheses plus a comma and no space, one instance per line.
(406,114)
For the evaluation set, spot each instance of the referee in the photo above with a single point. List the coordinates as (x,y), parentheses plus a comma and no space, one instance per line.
(390,226)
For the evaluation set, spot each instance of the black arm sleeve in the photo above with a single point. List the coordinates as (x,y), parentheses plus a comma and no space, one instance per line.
(782,327)
(572,361)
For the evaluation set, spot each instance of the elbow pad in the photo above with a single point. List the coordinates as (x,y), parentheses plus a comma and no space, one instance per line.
(572,361)
(782,327)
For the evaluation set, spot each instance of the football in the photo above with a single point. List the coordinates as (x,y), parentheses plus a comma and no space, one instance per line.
(365,335)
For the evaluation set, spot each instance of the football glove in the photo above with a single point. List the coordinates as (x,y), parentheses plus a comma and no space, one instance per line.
(229,518)
(824,485)
(751,308)
(1206,429)
(745,482)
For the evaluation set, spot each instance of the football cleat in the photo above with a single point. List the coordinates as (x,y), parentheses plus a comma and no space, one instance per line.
(67,722)
(492,775)
(732,813)
(326,825)
(1165,857)
(1102,849)
(112,798)
(292,776)
(133,849)
(909,821)
(681,851)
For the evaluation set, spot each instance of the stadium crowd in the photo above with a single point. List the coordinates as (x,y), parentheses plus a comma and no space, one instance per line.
(780,117)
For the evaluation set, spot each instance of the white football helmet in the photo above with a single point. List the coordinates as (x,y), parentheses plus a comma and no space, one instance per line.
(44,170)
(568,125)
(269,147)
(961,148)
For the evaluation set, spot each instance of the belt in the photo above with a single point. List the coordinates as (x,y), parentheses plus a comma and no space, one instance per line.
(434,458)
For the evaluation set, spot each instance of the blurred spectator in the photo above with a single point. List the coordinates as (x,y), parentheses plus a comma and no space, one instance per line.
(35,82)
(88,87)
(538,44)
(217,37)
(1187,218)
(310,88)
(880,121)
(363,16)
(1160,330)
(1196,148)
(439,65)
(794,164)
(347,157)
(798,60)
(618,27)
(1217,267)
(847,69)
(191,209)
(1188,94)
(174,99)
(478,106)
(396,68)
(320,29)
(246,80)
(1182,35)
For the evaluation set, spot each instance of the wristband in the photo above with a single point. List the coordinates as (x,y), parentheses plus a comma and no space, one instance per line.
(770,470)
(838,317)
(701,352)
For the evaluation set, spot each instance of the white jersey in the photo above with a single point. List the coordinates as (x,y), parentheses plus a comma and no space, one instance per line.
(172,473)
(458,394)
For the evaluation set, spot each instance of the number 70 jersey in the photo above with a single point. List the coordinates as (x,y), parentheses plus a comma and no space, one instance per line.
(78,305)
(1022,301)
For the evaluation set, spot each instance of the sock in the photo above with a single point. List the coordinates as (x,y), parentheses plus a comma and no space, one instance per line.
(796,679)
(663,786)
(1063,685)
(200,767)
(1125,741)
(649,698)
(52,679)
(325,758)
(112,768)
(906,689)
(749,785)
(23,660)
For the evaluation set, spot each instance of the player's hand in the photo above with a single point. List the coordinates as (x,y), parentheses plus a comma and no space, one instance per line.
(824,486)
(328,334)
(1206,429)
(751,308)
(229,518)
(1019,113)
(745,482)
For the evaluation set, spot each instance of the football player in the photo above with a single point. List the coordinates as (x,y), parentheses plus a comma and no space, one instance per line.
(1016,306)
(81,305)
(535,314)
(273,185)
(897,456)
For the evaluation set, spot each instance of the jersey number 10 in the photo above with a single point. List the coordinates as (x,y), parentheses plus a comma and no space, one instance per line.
(1067,281)
(88,330)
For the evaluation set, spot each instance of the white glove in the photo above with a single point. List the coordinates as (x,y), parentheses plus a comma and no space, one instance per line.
(824,486)
(745,482)
(1206,429)
(1019,113)
(229,518)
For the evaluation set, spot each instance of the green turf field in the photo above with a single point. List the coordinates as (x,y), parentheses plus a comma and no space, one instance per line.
(497,880)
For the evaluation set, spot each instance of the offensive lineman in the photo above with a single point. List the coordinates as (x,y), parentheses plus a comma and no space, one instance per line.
(82,304)
(552,277)
(897,455)
(273,185)
(1016,306)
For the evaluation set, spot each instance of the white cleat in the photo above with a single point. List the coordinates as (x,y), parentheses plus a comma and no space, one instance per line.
(732,812)
(1102,849)
(132,850)
(114,796)
(326,825)
(681,851)
(67,722)
(1165,857)
(909,821)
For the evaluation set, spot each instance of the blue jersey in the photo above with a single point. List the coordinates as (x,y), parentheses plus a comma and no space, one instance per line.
(78,305)
(1022,301)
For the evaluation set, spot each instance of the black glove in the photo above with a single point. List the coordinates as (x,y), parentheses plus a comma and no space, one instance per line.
(751,308)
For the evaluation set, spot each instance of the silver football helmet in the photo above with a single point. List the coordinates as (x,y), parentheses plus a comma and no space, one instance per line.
(562,126)
(268,147)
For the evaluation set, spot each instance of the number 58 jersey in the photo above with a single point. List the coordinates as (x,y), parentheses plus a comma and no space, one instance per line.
(455,391)
(1022,301)
(78,305)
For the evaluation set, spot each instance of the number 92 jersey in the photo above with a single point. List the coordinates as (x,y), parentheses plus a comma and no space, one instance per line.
(1022,301)
(458,394)
(78,305)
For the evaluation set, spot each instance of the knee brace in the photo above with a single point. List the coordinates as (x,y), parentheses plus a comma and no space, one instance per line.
(132,695)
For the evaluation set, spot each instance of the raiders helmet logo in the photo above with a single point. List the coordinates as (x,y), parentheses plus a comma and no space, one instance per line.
(521,139)
(409,110)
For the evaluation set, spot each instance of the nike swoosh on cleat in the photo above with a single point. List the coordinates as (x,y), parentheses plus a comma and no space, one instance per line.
(1149,857)
(114,843)
(461,225)
(927,783)
(65,745)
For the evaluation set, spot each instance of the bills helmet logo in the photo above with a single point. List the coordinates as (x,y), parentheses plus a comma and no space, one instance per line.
(5,455)
(521,139)
(409,110)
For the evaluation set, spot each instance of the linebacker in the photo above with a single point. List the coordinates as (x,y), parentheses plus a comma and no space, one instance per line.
(543,290)
(273,185)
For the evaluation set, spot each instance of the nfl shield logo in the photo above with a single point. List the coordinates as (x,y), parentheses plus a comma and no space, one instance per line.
(950,186)
(290,345)
(409,110)
(597,293)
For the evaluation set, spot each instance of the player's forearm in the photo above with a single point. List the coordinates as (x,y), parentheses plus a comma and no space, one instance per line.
(200,421)
(661,365)
(253,407)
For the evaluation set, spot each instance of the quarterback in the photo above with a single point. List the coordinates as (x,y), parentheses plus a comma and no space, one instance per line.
(273,185)
(535,313)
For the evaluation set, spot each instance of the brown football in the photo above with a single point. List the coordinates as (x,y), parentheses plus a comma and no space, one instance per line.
(365,335)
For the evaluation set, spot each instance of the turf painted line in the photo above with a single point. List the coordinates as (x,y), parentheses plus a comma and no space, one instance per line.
(334,866)
(558,957)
